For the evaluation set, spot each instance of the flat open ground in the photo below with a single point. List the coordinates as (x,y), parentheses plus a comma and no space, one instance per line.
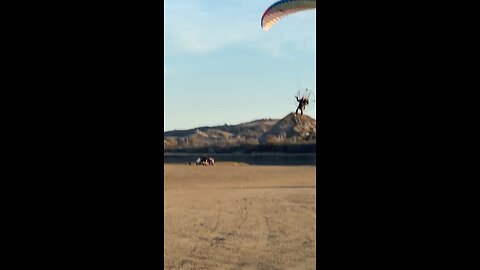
(236,216)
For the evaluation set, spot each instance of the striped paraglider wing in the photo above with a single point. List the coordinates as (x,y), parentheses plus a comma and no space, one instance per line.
(283,8)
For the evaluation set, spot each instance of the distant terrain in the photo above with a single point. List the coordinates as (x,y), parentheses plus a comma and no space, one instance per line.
(290,134)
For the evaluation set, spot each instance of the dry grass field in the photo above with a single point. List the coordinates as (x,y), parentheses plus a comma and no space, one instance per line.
(238,216)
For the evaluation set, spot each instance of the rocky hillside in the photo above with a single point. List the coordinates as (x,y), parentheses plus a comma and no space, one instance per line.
(290,130)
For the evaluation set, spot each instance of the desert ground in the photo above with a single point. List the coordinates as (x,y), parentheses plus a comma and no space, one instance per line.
(239,216)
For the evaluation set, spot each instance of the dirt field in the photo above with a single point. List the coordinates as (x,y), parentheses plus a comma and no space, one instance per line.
(235,216)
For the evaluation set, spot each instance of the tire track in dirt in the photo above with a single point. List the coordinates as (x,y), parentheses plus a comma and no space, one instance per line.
(245,215)
(265,231)
(196,258)
(269,231)
(217,217)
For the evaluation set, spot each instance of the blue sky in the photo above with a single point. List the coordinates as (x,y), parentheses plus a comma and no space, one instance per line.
(221,67)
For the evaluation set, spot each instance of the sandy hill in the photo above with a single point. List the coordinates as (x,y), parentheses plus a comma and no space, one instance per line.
(290,129)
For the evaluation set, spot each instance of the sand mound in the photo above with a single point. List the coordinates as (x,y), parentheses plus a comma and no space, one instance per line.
(292,129)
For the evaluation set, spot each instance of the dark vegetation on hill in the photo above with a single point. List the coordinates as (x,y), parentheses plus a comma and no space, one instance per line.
(248,149)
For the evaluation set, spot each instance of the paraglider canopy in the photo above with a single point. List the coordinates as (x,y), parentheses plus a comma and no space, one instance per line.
(283,8)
